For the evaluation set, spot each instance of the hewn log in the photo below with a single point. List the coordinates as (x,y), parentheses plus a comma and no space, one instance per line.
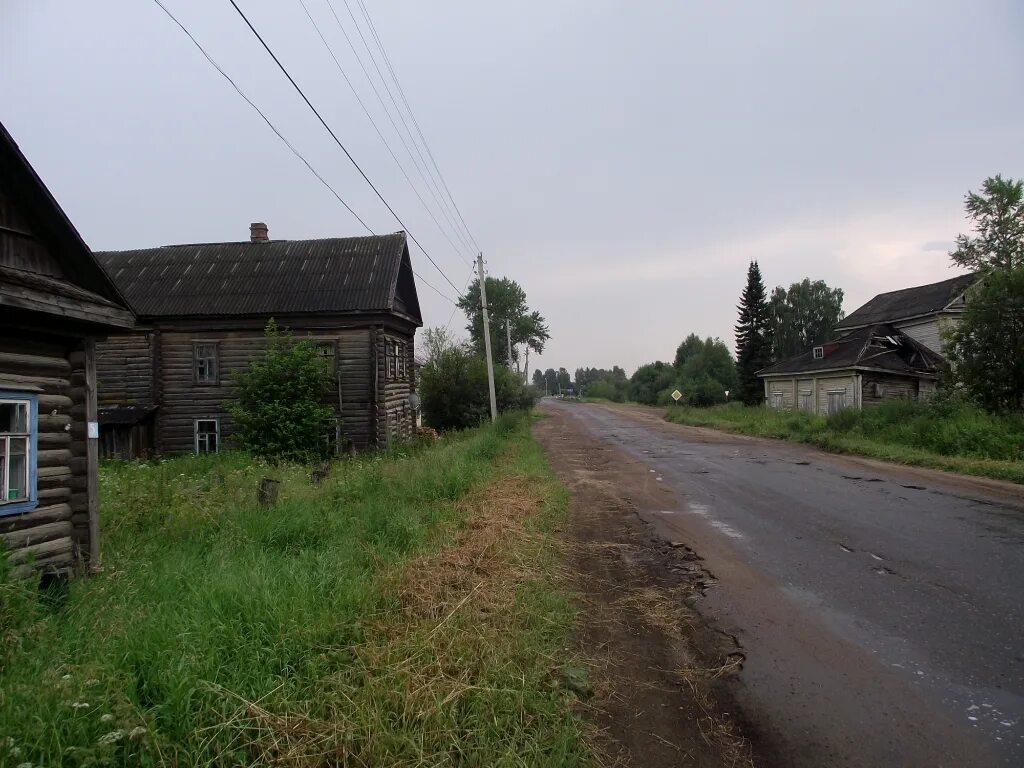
(38,516)
(36,534)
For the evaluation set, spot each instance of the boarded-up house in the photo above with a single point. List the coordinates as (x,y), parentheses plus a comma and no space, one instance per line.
(202,310)
(55,301)
(889,348)
(864,367)
(923,313)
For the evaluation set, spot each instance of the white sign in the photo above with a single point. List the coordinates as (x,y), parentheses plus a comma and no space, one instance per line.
(94,430)
(676,395)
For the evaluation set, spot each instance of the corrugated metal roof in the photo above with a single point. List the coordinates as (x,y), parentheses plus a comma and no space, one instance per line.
(909,302)
(352,274)
(876,346)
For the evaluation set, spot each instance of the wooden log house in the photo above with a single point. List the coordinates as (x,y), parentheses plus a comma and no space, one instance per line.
(202,310)
(55,302)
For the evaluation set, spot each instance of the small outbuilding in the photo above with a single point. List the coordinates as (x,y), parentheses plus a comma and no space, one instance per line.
(866,366)
(55,302)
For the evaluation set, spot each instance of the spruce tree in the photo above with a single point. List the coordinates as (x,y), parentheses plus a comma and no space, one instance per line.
(753,344)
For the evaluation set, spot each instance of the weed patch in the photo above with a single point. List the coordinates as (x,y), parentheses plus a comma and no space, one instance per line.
(953,436)
(403,612)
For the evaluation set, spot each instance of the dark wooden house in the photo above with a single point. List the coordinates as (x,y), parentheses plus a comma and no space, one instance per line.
(55,302)
(202,310)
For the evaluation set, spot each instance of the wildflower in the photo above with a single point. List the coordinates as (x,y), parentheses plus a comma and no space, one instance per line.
(66,677)
(14,751)
(94,681)
(137,732)
(80,705)
(112,737)
(108,718)
(24,765)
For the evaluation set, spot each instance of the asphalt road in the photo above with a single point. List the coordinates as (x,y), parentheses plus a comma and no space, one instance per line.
(880,608)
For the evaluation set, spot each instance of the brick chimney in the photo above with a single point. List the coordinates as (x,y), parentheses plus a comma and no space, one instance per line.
(258,232)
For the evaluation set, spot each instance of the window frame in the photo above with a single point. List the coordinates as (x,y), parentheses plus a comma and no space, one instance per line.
(331,345)
(195,434)
(780,397)
(196,344)
(31,501)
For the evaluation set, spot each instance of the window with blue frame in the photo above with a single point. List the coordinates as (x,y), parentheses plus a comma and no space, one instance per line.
(19,419)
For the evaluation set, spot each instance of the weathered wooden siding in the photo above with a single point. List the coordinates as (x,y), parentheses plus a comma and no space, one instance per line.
(784,388)
(928,332)
(396,419)
(19,246)
(790,387)
(846,384)
(878,388)
(53,533)
(124,366)
(182,400)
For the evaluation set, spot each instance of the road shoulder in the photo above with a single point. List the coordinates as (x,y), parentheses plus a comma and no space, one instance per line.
(662,698)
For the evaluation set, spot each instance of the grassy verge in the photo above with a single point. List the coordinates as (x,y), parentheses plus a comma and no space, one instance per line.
(404,612)
(956,438)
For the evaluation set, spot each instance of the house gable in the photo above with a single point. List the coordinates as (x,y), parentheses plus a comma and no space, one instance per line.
(36,237)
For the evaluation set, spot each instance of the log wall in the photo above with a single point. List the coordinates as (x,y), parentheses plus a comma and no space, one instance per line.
(183,401)
(53,535)
(124,367)
(396,419)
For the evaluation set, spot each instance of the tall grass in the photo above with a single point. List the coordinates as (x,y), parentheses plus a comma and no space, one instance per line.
(948,435)
(219,632)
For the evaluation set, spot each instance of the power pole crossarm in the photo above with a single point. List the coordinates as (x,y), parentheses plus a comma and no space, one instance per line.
(487,336)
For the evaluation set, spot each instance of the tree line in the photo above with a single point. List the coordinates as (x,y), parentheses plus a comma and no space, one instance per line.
(703,369)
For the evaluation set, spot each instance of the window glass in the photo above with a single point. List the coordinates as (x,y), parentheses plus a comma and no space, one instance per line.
(14,417)
(16,448)
(207,435)
(206,362)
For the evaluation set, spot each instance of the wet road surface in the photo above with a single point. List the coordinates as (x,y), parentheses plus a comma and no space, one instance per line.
(881,609)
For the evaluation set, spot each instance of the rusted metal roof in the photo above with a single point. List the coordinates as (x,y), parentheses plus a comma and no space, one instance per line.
(877,346)
(909,302)
(276,277)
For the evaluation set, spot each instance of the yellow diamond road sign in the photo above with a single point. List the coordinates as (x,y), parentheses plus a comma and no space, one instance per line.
(676,395)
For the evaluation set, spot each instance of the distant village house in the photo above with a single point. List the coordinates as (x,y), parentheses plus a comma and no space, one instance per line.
(202,310)
(55,302)
(892,347)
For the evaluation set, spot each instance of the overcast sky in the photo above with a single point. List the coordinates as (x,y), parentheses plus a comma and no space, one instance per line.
(622,160)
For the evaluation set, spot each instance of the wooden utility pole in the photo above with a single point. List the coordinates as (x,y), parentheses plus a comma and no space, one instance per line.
(508,338)
(487,336)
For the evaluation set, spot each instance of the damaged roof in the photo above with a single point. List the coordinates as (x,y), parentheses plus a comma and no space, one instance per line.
(274,277)
(879,346)
(909,302)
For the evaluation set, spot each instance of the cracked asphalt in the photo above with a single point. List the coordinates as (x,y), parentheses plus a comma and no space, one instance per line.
(880,608)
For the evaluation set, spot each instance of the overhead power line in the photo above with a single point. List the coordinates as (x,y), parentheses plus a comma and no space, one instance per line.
(281,136)
(401,117)
(339,143)
(387,146)
(401,92)
(431,187)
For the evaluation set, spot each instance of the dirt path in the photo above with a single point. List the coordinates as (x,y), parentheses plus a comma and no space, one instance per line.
(661,700)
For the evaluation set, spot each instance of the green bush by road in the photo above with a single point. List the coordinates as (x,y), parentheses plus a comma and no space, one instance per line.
(948,435)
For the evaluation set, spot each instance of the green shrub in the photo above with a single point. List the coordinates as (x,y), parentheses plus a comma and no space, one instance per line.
(278,403)
(454,392)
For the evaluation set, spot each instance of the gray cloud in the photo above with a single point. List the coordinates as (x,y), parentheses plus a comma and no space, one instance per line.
(623,161)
